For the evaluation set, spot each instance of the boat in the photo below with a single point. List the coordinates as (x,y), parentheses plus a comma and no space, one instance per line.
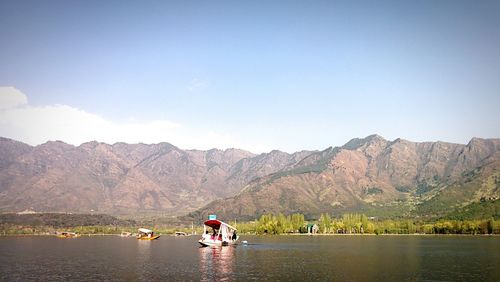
(66,234)
(126,234)
(180,233)
(146,234)
(222,234)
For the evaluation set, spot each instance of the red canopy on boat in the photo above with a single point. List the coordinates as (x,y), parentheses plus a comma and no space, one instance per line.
(215,224)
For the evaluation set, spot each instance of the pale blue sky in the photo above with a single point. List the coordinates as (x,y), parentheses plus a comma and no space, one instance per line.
(261,75)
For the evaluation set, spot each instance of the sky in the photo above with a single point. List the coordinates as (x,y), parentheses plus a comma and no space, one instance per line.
(255,75)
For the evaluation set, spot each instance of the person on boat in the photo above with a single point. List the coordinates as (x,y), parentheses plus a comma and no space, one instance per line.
(234,236)
(206,236)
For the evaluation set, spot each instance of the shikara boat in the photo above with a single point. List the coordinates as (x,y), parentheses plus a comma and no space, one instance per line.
(66,234)
(146,234)
(218,233)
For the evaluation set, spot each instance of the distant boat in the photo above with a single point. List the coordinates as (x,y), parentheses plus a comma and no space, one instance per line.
(180,233)
(146,234)
(126,234)
(66,234)
(222,234)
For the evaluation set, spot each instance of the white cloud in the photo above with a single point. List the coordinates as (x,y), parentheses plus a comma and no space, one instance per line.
(37,125)
(11,97)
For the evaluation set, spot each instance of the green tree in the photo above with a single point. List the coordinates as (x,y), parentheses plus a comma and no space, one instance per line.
(325,223)
(364,223)
(349,222)
(264,224)
(282,224)
(490,225)
(338,227)
(355,223)
(410,227)
(297,221)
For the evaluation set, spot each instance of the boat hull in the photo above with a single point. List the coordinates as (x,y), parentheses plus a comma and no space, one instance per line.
(211,243)
(149,238)
(66,237)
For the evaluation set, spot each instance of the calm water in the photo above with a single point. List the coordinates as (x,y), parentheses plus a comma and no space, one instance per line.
(266,258)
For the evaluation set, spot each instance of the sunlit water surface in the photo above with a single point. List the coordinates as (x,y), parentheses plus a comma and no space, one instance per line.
(265,258)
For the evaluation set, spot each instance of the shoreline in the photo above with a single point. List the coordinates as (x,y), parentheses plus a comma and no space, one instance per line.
(369,234)
(270,235)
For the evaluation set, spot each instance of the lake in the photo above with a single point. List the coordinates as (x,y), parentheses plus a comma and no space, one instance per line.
(265,258)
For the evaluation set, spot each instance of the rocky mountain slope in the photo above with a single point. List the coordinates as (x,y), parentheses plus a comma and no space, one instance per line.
(124,178)
(371,175)
(375,176)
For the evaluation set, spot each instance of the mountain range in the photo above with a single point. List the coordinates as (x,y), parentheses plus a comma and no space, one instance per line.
(371,175)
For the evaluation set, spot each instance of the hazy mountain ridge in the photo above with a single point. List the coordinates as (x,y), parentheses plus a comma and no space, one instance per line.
(366,174)
(376,176)
(123,177)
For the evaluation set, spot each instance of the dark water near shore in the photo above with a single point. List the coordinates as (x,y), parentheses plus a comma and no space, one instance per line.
(266,258)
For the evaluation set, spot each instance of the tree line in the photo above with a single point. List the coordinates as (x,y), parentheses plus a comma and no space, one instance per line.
(350,223)
(353,223)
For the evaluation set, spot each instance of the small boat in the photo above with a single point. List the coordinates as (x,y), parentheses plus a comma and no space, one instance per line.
(146,234)
(180,233)
(222,234)
(126,234)
(66,234)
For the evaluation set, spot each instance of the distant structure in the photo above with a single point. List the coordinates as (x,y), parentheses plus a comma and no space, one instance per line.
(312,228)
(28,211)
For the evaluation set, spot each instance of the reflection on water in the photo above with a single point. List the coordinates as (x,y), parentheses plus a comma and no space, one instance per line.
(142,259)
(216,263)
